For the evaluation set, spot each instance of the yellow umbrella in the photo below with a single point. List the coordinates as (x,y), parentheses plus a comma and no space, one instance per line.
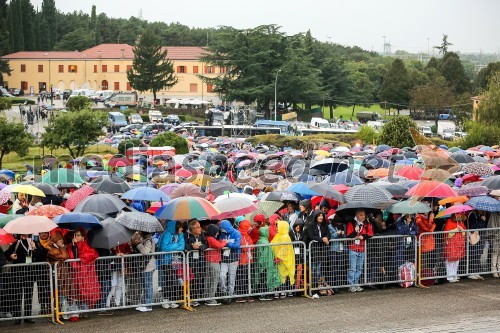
(322,152)
(26,189)
(200,180)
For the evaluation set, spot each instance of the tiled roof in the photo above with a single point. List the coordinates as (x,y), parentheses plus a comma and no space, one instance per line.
(108,51)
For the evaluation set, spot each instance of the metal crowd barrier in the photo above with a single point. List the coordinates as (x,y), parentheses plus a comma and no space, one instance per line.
(26,291)
(261,270)
(120,282)
(342,263)
(451,254)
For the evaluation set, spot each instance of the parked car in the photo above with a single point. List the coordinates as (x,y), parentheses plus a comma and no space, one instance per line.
(172,119)
(17,92)
(130,127)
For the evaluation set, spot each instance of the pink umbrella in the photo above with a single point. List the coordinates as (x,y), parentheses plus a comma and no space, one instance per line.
(169,188)
(187,190)
(27,225)
(454,210)
(6,238)
(4,196)
(49,211)
(78,196)
(235,206)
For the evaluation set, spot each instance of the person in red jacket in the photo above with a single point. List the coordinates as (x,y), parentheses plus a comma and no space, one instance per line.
(212,258)
(86,284)
(360,229)
(454,245)
(259,220)
(246,258)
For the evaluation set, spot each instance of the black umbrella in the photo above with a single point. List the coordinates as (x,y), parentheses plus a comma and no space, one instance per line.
(493,182)
(330,166)
(462,158)
(101,203)
(219,188)
(396,190)
(111,234)
(328,191)
(283,196)
(109,184)
(350,207)
(47,189)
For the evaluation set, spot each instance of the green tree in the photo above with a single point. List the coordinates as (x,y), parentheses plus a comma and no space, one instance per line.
(432,97)
(4,37)
(396,132)
(78,103)
(395,88)
(74,131)
(453,71)
(5,104)
(151,68)
(49,24)
(77,40)
(171,139)
(481,81)
(126,144)
(480,134)
(367,134)
(28,19)
(489,107)
(13,138)
(443,48)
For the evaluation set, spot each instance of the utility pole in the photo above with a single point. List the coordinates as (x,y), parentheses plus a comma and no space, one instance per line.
(384,45)
(428,48)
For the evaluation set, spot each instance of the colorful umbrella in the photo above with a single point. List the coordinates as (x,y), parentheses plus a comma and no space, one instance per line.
(146,194)
(78,196)
(6,238)
(477,168)
(432,189)
(473,190)
(486,203)
(187,208)
(49,211)
(454,210)
(378,173)
(233,206)
(27,225)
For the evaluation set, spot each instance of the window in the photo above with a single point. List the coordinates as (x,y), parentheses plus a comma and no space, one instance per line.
(117,86)
(181,69)
(129,68)
(104,69)
(222,70)
(210,87)
(72,68)
(209,70)
(42,86)
(193,87)
(40,68)
(117,68)
(24,85)
(61,68)
(104,85)
(23,68)
(128,86)
(195,69)
(95,68)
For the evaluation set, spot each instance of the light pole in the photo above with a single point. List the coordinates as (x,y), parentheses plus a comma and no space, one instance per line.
(276,94)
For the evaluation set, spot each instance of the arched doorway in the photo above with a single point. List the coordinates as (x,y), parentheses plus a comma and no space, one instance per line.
(104,85)
(72,85)
(60,85)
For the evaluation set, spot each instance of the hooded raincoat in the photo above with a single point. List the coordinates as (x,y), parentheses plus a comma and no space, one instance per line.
(284,253)
(84,274)
(265,262)
(170,241)
(233,238)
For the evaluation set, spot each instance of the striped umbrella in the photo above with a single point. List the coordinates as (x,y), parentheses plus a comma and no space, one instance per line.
(78,196)
(187,208)
(486,203)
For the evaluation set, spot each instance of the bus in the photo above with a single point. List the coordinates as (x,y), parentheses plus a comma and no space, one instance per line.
(241,131)
(284,126)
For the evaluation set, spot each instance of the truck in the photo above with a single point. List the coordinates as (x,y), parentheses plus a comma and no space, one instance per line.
(365,116)
(319,123)
(155,116)
(135,118)
(446,130)
(117,119)
(426,131)
(119,99)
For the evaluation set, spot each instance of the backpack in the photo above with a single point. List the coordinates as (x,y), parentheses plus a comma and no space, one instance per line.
(406,274)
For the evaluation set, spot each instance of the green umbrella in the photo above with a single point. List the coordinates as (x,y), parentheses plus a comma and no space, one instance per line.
(4,219)
(405,207)
(62,178)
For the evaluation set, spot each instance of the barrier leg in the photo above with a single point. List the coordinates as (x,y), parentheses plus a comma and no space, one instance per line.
(56,312)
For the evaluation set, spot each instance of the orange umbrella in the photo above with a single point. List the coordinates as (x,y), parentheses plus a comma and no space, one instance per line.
(49,211)
(452,200)
(382,172)
(410,172)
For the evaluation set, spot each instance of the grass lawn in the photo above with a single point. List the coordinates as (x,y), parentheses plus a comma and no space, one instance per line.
(346,111)
(15,163)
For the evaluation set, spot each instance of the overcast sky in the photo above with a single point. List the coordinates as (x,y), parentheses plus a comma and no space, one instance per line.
(471,25)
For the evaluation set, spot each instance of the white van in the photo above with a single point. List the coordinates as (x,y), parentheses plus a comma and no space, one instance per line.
(319,123)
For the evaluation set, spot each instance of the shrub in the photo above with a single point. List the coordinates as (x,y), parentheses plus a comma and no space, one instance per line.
(78,103)
(396,132)
(171,139)
(126,144)
(20,100)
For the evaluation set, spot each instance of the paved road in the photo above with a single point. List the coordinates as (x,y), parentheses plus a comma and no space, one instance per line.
(468,306)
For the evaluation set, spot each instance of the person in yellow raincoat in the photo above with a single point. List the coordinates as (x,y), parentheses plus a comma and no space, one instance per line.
(284,254)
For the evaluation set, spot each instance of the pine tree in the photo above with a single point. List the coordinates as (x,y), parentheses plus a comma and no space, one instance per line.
(395,88)
(4,37)
(49,26)
(151,69)
(28,17)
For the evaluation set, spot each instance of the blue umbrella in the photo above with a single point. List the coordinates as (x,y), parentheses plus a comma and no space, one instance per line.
(302,189)
(146,194)
(77,220)
(486,203)
(8,173)
(346,177)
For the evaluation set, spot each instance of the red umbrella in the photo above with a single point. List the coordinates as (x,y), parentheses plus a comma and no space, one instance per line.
(6,238)
(183,173)
(341,188)
(78,196)
(410,172)
(469,178)
(49,211)
(119,162)
(316,200)
(431,189)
